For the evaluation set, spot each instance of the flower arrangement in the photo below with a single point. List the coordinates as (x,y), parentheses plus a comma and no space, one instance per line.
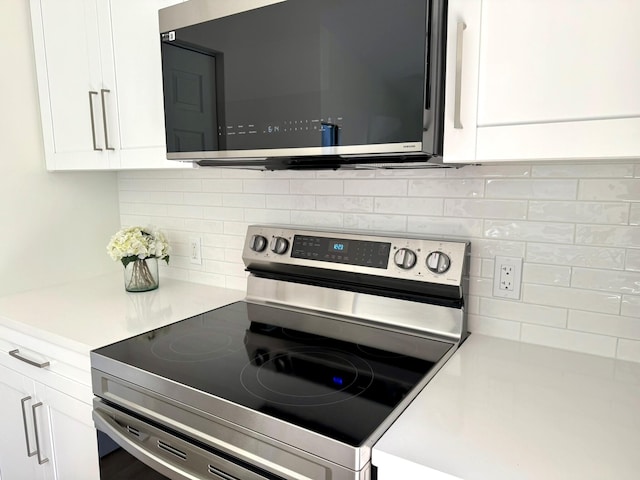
(133,246)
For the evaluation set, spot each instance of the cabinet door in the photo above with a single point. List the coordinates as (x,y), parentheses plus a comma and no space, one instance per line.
(67,44)
(71,436)
(16,400)
(461,92)
(559,79)
(136,43)
(553,79)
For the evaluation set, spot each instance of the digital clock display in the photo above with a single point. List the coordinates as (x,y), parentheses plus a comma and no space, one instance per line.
(338,247)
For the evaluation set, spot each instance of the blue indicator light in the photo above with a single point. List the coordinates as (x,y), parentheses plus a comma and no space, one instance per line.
(338,246)
(337,380)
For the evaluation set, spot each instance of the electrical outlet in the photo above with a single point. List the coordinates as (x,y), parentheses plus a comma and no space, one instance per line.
(195,250)
(507,277)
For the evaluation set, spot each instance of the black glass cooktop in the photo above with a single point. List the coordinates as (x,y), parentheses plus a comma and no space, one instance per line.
(297,367)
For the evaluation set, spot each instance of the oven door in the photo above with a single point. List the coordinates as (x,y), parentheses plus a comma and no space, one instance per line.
(131,447)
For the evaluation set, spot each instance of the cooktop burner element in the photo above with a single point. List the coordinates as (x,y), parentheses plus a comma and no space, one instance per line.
(337,334)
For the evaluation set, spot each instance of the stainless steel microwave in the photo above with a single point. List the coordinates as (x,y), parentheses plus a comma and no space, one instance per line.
(298,84)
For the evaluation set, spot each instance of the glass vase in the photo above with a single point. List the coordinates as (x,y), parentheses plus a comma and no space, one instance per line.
(141,275)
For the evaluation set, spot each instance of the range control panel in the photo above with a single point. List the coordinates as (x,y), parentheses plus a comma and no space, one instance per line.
(340,250)
(430,260)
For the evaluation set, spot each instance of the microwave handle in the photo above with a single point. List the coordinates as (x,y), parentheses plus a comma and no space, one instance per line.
(458,86)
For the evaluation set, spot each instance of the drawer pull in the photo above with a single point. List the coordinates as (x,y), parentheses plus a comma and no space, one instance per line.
(16,354)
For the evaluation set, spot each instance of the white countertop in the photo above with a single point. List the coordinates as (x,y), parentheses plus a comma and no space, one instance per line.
(501,409)
(81,316)
(497,410)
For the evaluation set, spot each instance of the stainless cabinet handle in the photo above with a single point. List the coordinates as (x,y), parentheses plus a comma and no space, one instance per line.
(93,122)
(16,354)
(35,429)
(24,423)
(458,87)
(104,119)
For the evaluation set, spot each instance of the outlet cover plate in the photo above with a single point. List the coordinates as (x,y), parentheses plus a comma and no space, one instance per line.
(195,250)
(507,277)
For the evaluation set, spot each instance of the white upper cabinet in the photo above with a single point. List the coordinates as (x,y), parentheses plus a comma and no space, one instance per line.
(100,83)
(542,80)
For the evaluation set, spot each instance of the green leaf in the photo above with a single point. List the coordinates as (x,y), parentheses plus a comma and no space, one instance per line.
(127,260)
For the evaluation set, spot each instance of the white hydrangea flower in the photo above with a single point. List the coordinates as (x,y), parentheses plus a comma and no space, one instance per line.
(137,242)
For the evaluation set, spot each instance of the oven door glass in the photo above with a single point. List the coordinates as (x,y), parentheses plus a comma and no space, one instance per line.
(118,464)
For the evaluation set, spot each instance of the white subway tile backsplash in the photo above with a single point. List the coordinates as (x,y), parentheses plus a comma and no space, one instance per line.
(532,189)
(628,350)
(612,258)
(291,202)
(546,274)
(579,212)
(576,227)
(223,213)
(278,186)
(221,185)
(522,312)
(256,215)
(345,203)
(446,188)
(606,280)
(486,248)
(608,236)
(243,200)
(480,208)
(572,298)
(609,189)
(183,185)
(378,187)
(632,261)
(408,205)
(382,223)
(317,187)
(529,231)
(604,170)
(442,226)
(569,340)
(319,219)
(612,325)
(184,211)
(634,214)
(494,327)
(202,198)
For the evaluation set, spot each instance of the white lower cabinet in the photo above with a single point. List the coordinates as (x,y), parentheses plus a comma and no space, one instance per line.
(46,434)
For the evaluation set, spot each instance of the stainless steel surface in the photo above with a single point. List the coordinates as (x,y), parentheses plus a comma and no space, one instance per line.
(428,320)
(93,121)
(104,119)
(16,354)
(41,460)
(422,311)
(457,123)
(457,251)
(426,152)
(24,424)
(409,148)
(243,441)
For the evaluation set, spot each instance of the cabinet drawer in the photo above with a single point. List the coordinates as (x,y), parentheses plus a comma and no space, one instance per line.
(47,363)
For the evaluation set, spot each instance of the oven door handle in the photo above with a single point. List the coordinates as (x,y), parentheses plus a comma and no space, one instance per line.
(108,425)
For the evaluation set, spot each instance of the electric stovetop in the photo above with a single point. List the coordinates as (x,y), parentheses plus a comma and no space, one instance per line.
(339,379)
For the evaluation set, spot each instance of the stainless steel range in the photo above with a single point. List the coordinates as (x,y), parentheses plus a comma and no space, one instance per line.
(337,334)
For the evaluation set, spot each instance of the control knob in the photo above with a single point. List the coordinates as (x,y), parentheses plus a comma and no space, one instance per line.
(279,245)
(405,258)
(258,243)
(438,262)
